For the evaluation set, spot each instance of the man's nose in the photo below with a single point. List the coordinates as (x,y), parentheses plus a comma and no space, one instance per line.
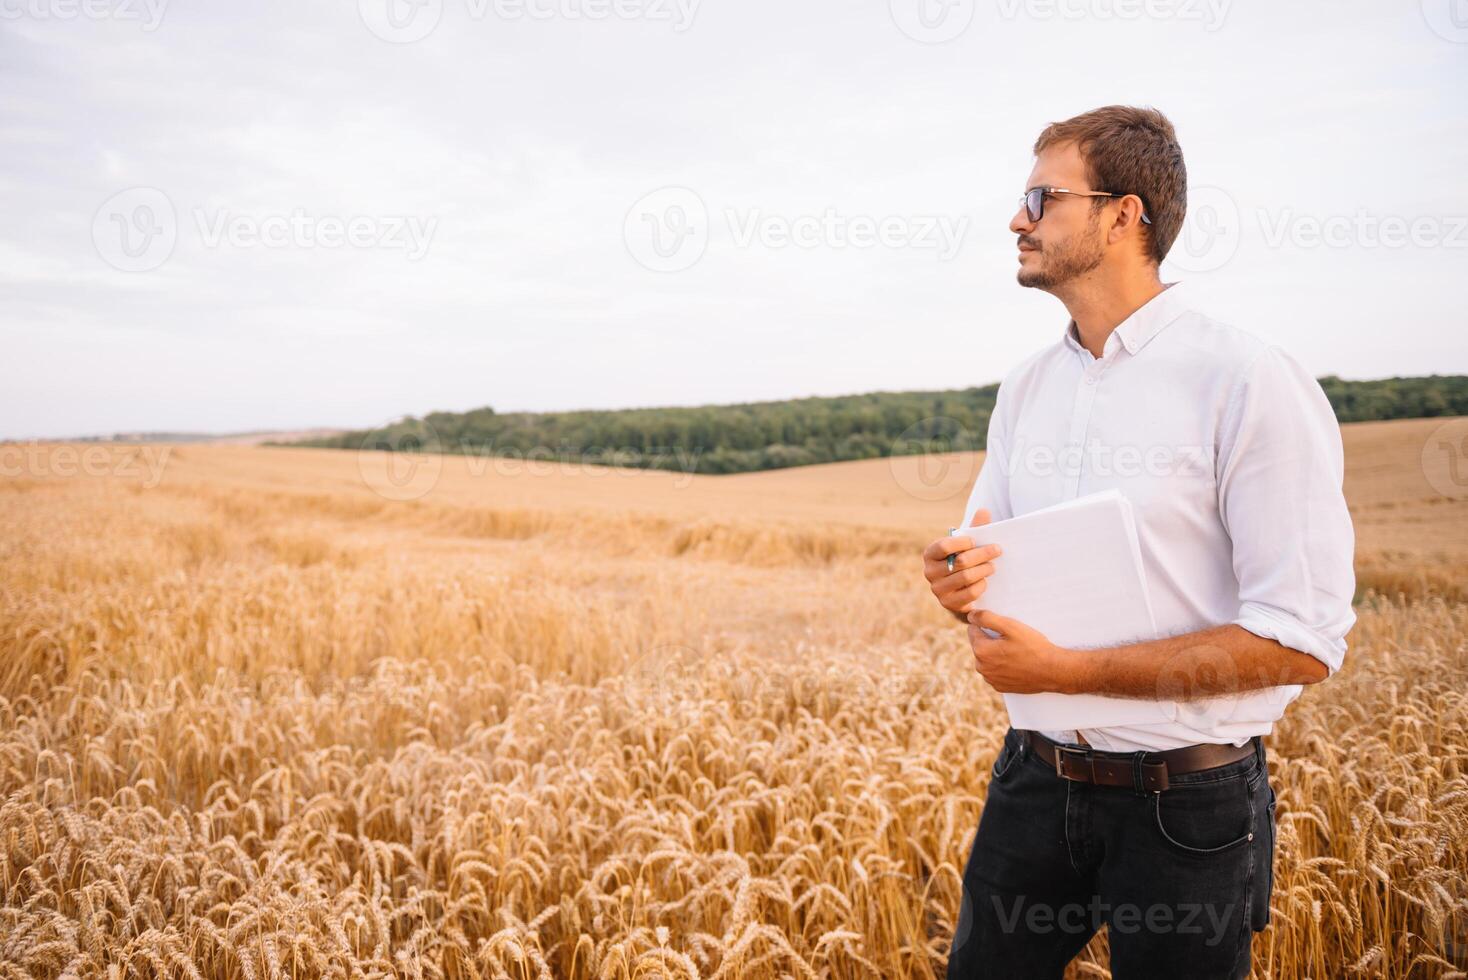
(1021,223)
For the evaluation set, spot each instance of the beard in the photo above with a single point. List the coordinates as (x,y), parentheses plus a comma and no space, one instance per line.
(1064,261)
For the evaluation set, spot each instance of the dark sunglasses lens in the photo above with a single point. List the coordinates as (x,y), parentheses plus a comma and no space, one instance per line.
(1035,203)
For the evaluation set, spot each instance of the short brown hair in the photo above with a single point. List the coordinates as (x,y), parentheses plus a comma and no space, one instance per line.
(1130,150)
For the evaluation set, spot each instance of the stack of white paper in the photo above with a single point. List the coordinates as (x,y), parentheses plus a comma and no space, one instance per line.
(1074,572)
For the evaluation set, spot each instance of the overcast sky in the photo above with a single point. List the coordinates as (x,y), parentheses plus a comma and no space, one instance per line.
(225,216)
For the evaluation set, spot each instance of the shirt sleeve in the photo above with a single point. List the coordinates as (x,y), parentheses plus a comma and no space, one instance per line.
(991,489)
(1280,476)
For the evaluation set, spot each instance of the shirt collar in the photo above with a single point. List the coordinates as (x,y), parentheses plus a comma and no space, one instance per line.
(1145,322)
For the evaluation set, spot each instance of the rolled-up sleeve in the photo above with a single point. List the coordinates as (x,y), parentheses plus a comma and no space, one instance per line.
(1280,495)
(991,489)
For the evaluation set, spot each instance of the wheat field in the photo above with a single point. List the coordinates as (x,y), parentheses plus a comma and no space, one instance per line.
(263,715)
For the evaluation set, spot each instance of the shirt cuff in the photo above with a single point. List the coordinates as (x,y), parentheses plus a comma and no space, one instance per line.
(1276,624)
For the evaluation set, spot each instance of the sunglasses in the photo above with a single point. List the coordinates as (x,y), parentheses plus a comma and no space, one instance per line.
(1034,201)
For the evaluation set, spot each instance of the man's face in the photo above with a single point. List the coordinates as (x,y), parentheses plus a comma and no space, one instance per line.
(1067,241)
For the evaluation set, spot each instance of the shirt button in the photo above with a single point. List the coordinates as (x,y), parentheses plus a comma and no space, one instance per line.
(1090,381)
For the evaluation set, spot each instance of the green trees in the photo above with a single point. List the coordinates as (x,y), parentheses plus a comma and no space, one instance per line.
(772,435)
(1397,398)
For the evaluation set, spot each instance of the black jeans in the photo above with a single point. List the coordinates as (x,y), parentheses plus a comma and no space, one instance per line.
(1181,878)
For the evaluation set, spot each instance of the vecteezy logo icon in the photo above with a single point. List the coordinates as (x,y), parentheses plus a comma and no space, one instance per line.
(666,674)
(401,21)
(1448,19)
(667,230)
(1210,233)
(401,460)
(1202,667)
(135,230)
(1445,459)
(932,21)
(923,463)
(965,923)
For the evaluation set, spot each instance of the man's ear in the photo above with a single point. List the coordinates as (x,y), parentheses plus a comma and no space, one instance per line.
(1126,219)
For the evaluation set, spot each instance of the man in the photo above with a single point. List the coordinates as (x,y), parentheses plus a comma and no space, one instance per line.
(1231,456)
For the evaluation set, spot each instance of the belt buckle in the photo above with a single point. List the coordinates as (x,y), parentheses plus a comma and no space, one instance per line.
(1060,753)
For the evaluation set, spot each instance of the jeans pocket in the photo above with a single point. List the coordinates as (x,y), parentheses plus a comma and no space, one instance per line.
(1009,753)
(1201,819)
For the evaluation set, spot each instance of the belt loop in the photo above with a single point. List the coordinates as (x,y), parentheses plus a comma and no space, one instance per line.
(1137,771)
(1259,752)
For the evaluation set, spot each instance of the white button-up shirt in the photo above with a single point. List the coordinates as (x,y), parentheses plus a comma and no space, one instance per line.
(1231,457)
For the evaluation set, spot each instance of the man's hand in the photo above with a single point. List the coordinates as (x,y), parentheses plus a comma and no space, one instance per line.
(1022,660)
(959,589)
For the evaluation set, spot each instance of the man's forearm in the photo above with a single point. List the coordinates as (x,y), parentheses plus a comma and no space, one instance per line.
(1217,661)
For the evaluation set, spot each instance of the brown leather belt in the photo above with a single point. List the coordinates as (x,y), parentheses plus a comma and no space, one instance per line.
(1090,765)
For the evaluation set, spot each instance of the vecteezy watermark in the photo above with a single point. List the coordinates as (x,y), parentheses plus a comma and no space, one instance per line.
(406,21)
(401,460)
(147,14)
(400,21)
(934,458)
(932,21)
(410,233)
(1448,19)
(1445,459)
(835,686)
(136,230)
(1362,229)
(1203,682)
(1101,459)
(936,21)
(404,459)
(669,230)
(666,675)
(1213,230)
(588,462)
(1209,13)
(942,234)
(1210,233)
(1185,918)
(671,673)
(69,459)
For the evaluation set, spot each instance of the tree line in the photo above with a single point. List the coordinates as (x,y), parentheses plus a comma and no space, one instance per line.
(798,432)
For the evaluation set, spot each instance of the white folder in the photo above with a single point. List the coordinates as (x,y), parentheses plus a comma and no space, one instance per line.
(1074,572)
